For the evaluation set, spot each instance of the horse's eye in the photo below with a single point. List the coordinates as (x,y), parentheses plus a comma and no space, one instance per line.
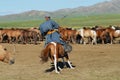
(5,49)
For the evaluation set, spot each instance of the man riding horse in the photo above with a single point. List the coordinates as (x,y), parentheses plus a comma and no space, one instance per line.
(49,29)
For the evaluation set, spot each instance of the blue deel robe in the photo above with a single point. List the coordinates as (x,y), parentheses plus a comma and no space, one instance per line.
(54,37)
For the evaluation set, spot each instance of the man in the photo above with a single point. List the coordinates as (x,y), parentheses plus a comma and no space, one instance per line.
(48,29)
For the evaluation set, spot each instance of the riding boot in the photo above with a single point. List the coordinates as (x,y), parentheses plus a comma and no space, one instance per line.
(67,48)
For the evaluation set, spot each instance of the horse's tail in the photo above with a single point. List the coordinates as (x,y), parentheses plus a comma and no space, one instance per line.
(45,54)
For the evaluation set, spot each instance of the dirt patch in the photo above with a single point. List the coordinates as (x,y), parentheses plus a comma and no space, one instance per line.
(92,62)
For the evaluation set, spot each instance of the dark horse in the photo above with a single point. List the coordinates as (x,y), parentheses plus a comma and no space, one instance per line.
(54,51)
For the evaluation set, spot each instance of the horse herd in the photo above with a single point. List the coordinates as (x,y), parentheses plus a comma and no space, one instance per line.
(22,36)
(85,35)
(94,35)
(54,50)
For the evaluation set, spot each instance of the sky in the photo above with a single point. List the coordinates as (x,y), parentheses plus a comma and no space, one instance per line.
(18,6)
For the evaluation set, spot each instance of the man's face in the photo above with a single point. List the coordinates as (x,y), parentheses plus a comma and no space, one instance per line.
(47,18)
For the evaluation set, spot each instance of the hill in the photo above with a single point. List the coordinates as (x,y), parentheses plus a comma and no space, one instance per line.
(107,7)
(76,22)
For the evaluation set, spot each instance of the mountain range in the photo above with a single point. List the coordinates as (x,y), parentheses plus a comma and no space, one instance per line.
(107,7)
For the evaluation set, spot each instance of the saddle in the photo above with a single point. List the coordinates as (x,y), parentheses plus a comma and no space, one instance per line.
(67,48)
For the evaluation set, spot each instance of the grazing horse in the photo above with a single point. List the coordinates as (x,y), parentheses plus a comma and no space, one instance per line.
(88,33)
(5,56)
(54,51)
(113,33)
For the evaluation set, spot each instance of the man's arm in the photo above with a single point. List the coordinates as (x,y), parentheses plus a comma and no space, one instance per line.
(55,25)
(41,31)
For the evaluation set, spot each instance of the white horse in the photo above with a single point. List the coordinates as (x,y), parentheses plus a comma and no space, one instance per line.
(88,33)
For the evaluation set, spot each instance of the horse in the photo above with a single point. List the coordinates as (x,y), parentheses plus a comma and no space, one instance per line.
(113,33)
(88,33)
(28,36)
(101,37)
(0,35)
(68,34)
(34,29)
(11,34)
(6,56)
(54,51)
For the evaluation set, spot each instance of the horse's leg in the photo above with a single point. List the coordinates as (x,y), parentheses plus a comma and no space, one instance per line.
(55,58)
(35,39)
(55,63)
(81,41)
(23,39)
(52,59)
(111,39)
(1,38)
(102,38)
(9,39)
(73,39)
(16,41)
(60,68)
(63,61)
(67,58)
(84,41)
(94,40)
(70,64)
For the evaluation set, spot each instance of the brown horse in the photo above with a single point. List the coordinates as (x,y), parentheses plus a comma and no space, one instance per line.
(5,56)
(101,35)
(29,36)
(11,33)
(54,51)
(113,33)
(68,34)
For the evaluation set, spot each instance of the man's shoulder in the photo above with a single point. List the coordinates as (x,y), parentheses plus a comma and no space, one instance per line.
(51,20)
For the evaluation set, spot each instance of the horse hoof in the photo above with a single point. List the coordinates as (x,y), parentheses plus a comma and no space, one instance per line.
(72,68)
(57,72)
(59,68)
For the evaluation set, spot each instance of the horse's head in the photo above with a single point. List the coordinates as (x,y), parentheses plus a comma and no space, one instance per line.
(44,55)
(5,56)
(9,58)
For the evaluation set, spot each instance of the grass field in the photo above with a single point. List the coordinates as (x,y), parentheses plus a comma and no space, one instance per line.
(77,22)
